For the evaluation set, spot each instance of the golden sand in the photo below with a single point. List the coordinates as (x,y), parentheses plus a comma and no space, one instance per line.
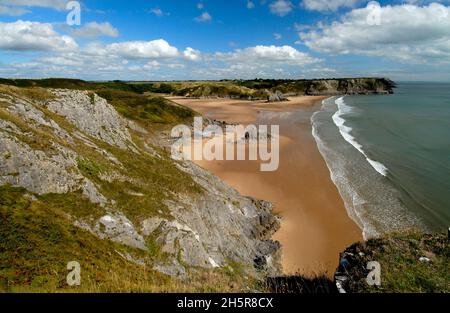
(315,225)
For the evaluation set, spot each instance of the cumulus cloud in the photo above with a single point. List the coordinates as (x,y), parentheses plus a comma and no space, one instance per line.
(329,5)
(407,33)
(156,59)
(33,36)
(192,54)
(204,17)
(143,49)
(281,7)
(268,56)
(94,29)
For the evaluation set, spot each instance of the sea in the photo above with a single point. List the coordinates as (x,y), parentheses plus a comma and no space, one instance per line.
(389,156)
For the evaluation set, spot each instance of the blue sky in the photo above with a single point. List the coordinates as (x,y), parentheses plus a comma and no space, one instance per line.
(212,39)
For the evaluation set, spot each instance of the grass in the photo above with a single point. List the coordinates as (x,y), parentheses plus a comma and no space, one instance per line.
(89,168)
(38,238)
(158,179)
(37,241)
(401,270)
(34,93)
(128,98)
(39,138)
(144,109)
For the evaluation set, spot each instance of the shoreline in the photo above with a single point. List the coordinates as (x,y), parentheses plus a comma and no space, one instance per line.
(316,225)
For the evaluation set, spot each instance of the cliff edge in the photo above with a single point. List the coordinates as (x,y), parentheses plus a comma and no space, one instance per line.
(79,181)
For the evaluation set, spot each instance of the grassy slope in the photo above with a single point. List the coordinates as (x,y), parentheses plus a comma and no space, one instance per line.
(37,238)
(401,270)
(37,241)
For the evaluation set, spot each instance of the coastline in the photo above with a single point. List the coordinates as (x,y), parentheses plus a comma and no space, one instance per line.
(316,225)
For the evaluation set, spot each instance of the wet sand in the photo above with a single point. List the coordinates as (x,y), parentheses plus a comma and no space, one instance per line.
(315,225)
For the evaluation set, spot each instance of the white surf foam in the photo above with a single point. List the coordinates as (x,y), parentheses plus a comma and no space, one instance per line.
(370,200)
(345,131)
(379,167)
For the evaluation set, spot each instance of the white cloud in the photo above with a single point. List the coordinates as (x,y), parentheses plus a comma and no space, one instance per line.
(12,11)
(94,29)
(267,56)
(281,7)
(200,6)
(192,54)
(152,65)
(277,36)
(157,59)
(55,4)
(328,5)
(143,49)
(158,12)
(408,33)
(204,17)
(250,5)
(33,36)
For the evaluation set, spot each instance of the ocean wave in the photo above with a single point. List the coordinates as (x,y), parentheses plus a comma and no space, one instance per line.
(371,201)
(345,131)
(379,167)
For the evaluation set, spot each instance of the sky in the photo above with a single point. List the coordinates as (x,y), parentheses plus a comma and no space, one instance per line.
(405,40)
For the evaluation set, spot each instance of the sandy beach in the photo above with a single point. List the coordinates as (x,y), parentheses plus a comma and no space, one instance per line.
(315,225)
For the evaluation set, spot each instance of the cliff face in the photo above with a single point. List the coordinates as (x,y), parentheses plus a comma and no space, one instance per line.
(274,90)
(351,86)
(70,158)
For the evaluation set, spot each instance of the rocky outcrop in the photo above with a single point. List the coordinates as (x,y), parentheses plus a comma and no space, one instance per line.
(39,170)
(48,147)
(93,116)
(398,262)
(276,96)
(351,86)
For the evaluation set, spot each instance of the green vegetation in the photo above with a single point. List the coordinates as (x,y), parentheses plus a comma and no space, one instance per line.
(255,89)
(34,93)
(401,269)
(37,241)
(145,109)
(260,89)
(133,100)
(37,237)
(89,168)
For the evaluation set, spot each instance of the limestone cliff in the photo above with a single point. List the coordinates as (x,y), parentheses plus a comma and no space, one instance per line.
(118,184)
(277,89)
